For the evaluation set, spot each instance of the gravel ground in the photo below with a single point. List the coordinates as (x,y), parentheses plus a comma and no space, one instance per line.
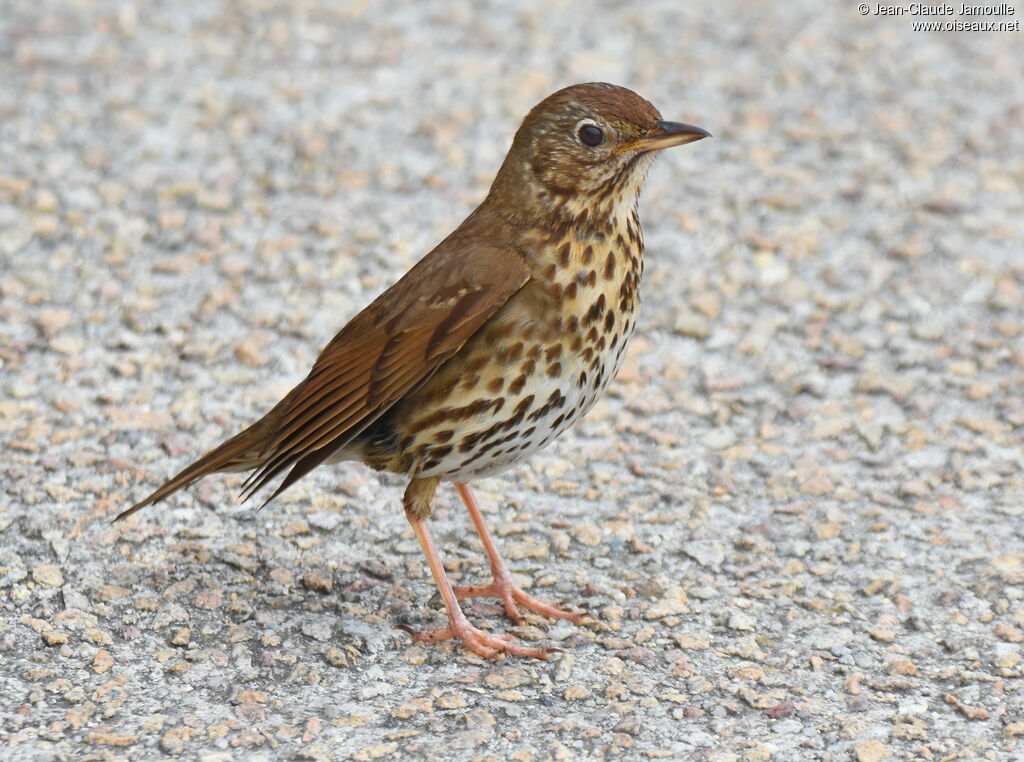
(797,517)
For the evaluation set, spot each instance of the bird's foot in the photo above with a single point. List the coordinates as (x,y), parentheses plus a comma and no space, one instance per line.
(503,588)
(481,643)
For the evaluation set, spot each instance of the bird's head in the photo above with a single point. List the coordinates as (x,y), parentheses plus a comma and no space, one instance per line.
(584,144)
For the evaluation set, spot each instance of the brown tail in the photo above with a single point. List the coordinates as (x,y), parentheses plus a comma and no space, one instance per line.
(239,453)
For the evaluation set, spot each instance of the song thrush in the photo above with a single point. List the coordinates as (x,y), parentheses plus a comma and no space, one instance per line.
(492,345)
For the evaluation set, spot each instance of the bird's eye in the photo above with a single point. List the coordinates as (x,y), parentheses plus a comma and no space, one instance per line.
(590,135)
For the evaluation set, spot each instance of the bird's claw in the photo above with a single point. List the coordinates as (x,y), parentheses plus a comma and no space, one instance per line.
(485,644)
(504,589)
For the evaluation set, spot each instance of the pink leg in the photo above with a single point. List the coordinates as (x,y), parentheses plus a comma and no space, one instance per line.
(479,642)
(502,585)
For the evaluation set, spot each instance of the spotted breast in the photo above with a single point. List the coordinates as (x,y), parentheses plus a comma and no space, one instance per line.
(525,379)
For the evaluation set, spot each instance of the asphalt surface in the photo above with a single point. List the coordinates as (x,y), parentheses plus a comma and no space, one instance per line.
(797,518)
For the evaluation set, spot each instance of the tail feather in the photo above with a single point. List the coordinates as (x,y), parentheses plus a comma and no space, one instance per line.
(236,454)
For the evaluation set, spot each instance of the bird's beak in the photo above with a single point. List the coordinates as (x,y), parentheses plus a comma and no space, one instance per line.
(666,135)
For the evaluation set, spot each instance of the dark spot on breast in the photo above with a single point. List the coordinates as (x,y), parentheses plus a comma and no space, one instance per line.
(592,335)
(583,378)
(535,352)
(509,423)
(553,352)
(588,354)
(498,442)
(444,436)
(555,369)
(549,272)
(595,311)
(563,254)
(634,232)
(574,324)
(495,385)
(477,407)
(577,342)
(609,266)
(528,367)
(509,355)
(570,291)
(517,386)
(555,401)
(588,254)
(609,320)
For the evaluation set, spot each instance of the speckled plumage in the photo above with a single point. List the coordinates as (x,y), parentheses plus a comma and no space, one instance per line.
(498,340)
(535,369)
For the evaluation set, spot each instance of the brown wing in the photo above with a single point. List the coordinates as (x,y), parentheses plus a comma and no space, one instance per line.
(388,350)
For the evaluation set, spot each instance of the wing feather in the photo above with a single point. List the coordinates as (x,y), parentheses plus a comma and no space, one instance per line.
(389,349)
